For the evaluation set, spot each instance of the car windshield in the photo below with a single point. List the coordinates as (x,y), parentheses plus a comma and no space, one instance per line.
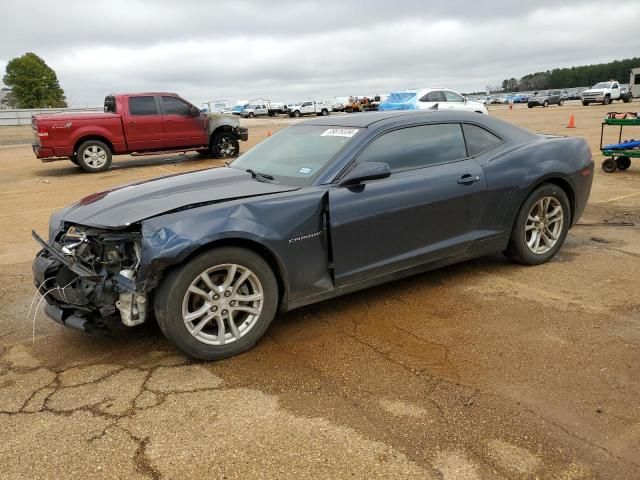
(296,155)
(602,85)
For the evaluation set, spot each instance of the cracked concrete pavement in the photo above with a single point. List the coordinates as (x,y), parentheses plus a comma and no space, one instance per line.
(483,370)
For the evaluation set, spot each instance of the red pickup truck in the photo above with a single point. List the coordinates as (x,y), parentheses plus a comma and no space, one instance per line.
(134,123)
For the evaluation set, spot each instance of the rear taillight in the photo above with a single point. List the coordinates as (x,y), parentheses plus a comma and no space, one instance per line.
(42,132)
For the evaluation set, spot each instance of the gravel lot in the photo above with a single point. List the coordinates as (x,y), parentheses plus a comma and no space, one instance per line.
(484,370)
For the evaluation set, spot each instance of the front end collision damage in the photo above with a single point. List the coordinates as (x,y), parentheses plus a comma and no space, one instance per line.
(90,276)
(87,275)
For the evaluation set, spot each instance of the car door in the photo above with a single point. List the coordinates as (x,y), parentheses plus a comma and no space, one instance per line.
(143,124)
(454,101)
(306,107)
(615,91)
(425,211)
(182,129)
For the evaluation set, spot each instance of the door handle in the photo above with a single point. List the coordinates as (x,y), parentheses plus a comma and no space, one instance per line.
(468,179)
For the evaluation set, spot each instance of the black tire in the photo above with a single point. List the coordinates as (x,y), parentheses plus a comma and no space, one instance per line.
(626,99)
(530,105)
(517,250)
(74,159)
(609,165)
(251,114)
(545,104)
(623,163)
(607,100)
(171,293)
(561,103)
(324,112)
(296,114)
(224,145)
(93,164)
(585,104)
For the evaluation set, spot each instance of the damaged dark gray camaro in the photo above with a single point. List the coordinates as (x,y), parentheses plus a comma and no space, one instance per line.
(320,209)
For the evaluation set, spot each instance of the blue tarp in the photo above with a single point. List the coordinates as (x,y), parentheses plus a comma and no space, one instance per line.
(623,146)
(400,101)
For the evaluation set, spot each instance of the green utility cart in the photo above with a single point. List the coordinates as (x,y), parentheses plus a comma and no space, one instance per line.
(621,153)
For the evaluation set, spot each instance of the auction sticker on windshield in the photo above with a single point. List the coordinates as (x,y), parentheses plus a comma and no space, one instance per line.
(339,132)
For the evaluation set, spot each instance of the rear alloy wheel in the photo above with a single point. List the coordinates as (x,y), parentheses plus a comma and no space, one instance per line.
(94,156)
(224,145)
(609,165)
(607,100)
(296,114)
(623,163)
(324,112)
(219,304)
(545,103)
(541,226)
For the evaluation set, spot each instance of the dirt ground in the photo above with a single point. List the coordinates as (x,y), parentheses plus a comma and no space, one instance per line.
(484,370)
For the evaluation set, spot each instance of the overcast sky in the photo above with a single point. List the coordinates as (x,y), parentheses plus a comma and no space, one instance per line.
(296,49)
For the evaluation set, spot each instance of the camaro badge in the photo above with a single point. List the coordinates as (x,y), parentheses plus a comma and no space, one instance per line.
(304,237)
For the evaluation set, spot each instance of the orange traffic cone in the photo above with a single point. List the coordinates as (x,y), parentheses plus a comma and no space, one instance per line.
(572,122)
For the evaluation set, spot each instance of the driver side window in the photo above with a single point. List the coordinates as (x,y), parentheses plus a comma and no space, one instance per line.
(417,147)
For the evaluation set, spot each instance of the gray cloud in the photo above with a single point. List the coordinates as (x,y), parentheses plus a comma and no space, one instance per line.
(290,50)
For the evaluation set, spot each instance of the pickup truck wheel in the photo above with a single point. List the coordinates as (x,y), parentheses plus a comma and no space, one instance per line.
(626,99)
(224,145)
(585,104)
(545,104)
(296,113)
(561,103)
(607,100)
(251,114)
(324,112)
(94,156)
(219,304)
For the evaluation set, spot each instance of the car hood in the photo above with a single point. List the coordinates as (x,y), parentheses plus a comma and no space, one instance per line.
(596,90)
(123,206)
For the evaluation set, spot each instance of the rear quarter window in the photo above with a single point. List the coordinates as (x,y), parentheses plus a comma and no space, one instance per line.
(142,106)
(478,139)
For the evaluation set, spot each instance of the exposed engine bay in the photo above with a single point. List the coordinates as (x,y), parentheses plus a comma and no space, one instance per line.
(88,275)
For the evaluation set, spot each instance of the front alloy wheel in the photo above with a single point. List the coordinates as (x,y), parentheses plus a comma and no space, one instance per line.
(222,304)
(218,304)
(224,145)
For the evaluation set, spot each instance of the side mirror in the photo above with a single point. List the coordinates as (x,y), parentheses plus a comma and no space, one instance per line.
(193,111)
(465,99)
(366,171)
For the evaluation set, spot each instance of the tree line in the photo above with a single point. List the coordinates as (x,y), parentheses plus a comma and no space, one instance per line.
(582,76)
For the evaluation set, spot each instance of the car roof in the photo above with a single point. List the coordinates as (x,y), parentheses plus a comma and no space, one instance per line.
(367,119)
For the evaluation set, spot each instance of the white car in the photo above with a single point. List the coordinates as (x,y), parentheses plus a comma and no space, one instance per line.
(431,99)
